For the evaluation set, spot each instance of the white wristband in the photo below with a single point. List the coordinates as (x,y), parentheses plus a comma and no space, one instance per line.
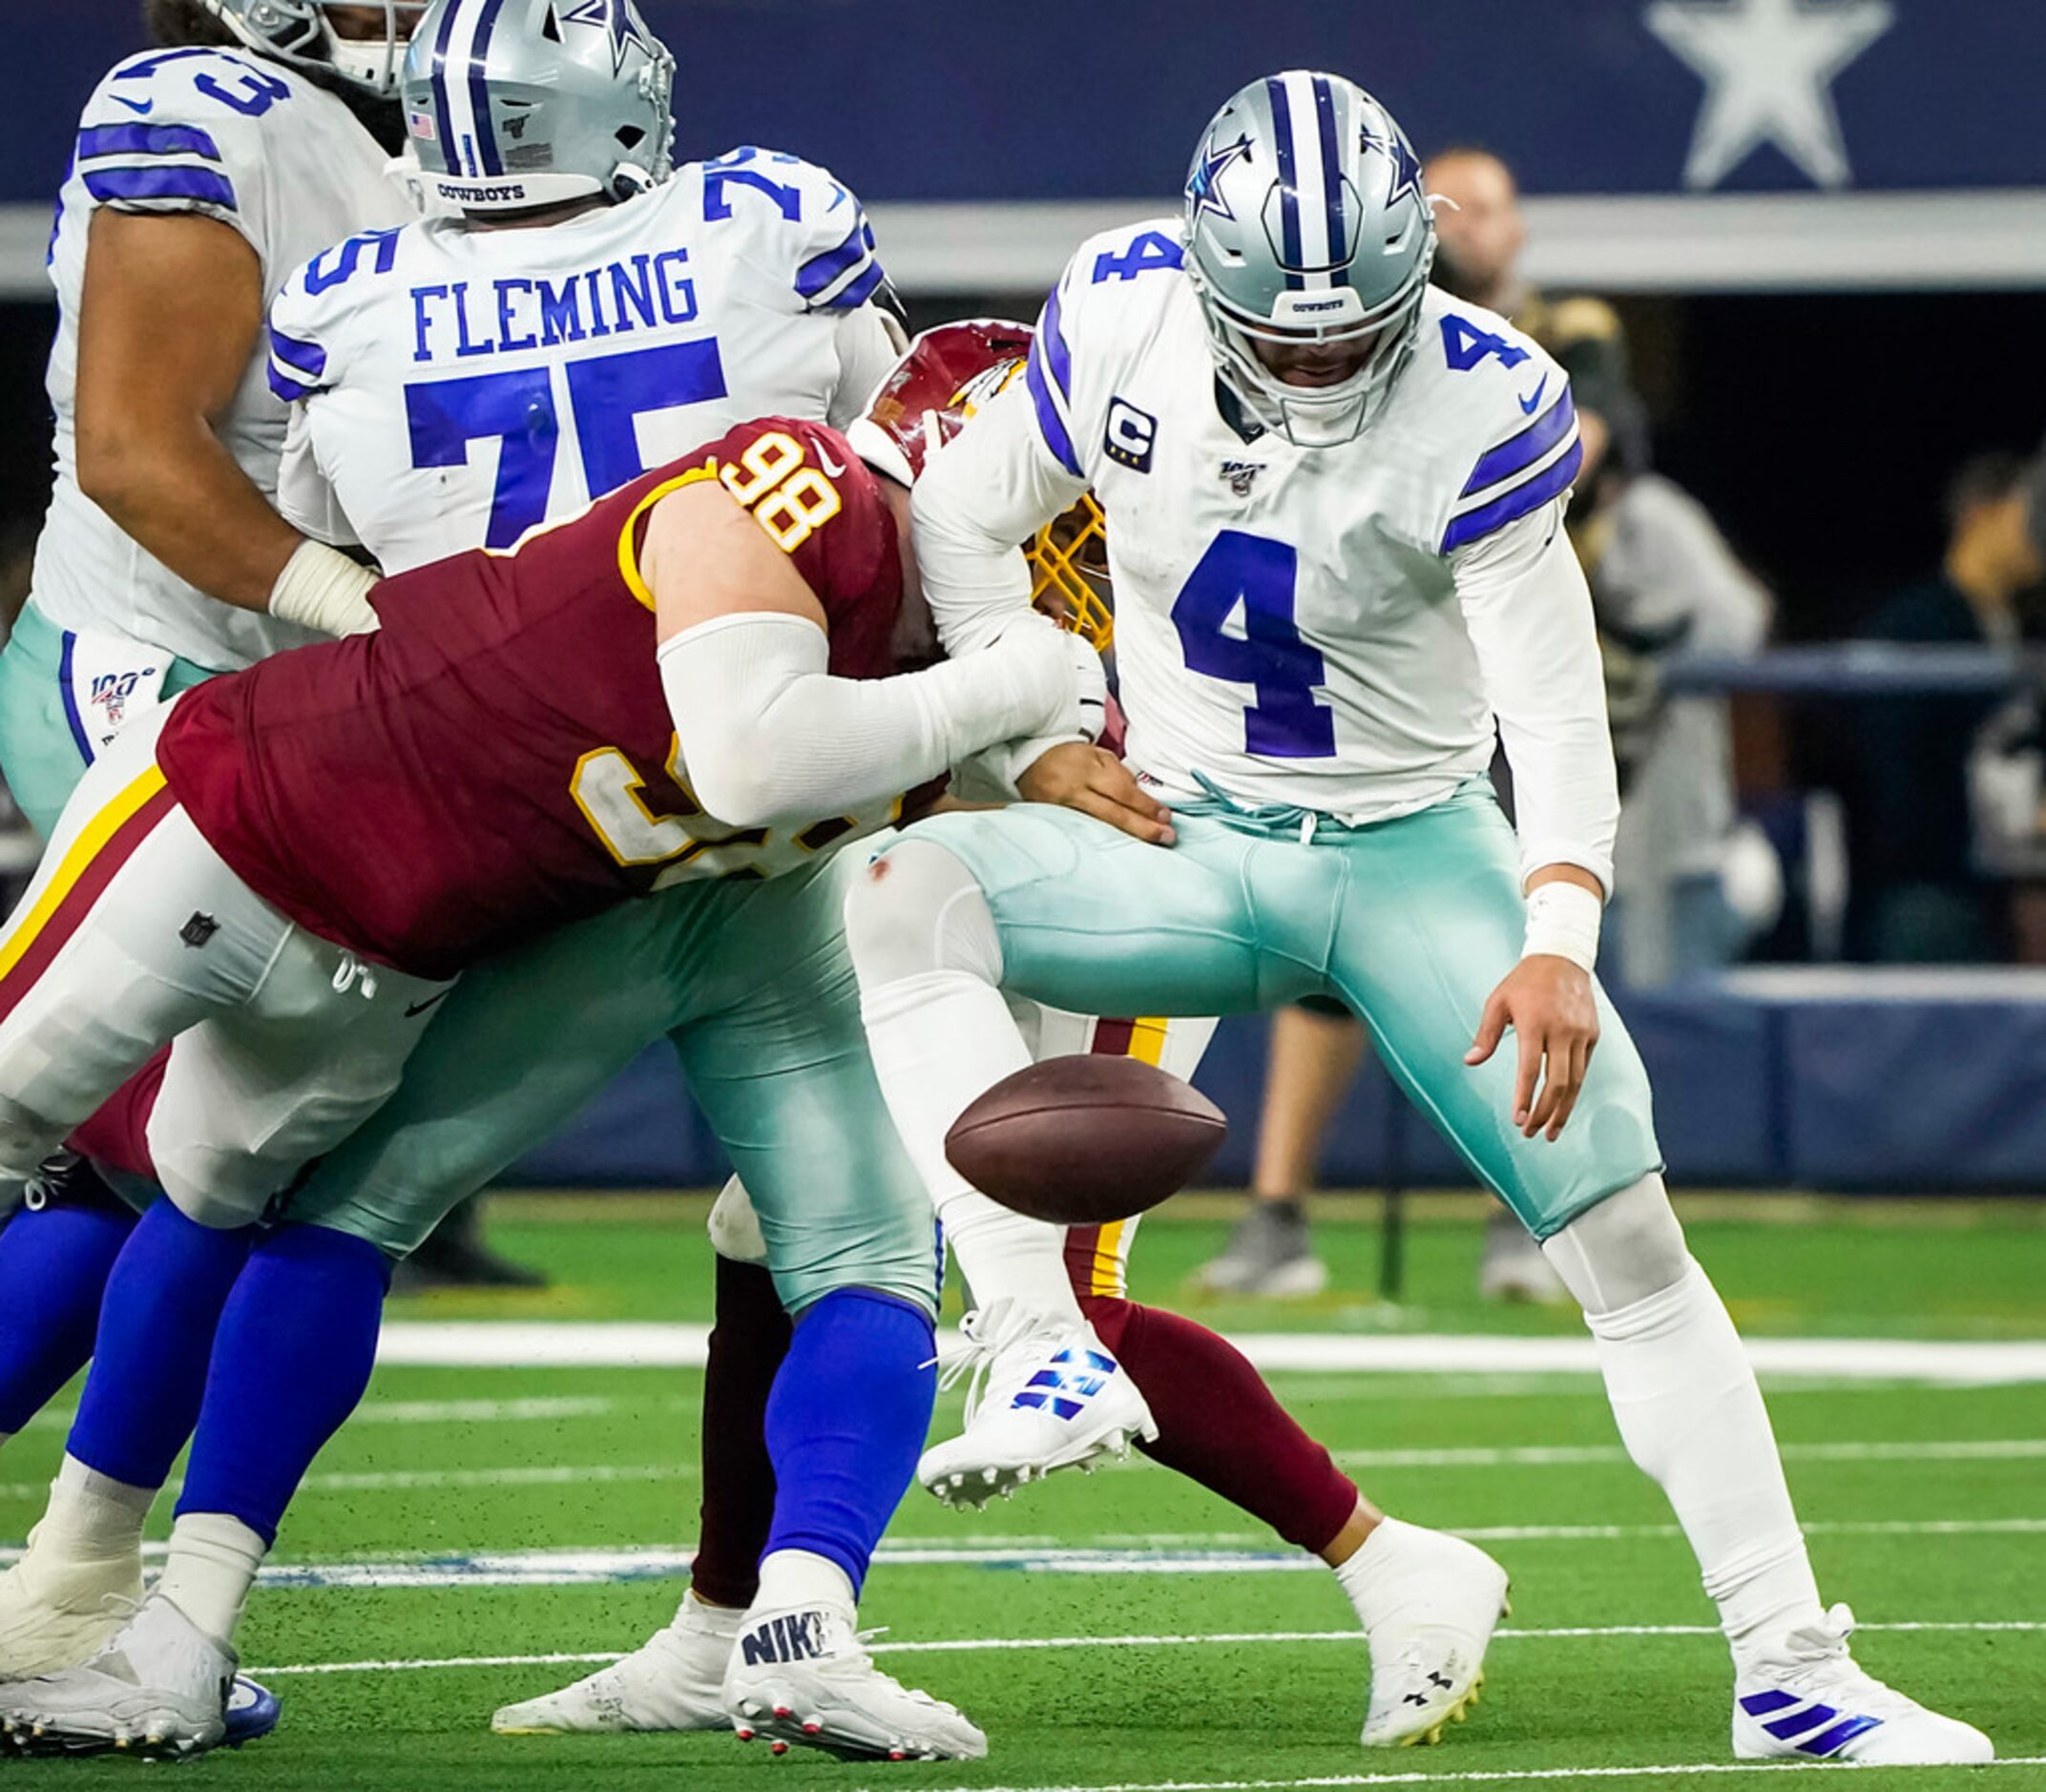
(1563,921)
(322,588)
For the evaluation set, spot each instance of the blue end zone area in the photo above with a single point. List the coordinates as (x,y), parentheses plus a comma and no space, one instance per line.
(1826,1078)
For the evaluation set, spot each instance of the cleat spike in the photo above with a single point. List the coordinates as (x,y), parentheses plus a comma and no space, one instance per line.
(778,1747)
(813,1728)
(784,1712)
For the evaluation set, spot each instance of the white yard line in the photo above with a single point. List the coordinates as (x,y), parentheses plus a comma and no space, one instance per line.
(1568,1456)
(975,1645)
(1493,1776)
(576,1343)
(539,1409)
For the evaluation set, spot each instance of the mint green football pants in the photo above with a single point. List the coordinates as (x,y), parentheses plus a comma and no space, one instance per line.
(42,740)
(751,982)
(1410,924)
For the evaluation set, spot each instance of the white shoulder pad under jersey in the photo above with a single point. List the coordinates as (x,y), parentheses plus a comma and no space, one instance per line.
(463,385)
(257,147)
(1287,620)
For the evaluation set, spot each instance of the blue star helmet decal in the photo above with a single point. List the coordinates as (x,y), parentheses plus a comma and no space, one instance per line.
(1405,165)
(1201,188)
(615,16)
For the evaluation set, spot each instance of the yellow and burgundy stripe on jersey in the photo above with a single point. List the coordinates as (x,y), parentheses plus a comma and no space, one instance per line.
(1098,1258)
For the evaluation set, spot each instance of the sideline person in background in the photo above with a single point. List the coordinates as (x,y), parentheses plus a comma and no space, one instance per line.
(1918,897)
(1480,232)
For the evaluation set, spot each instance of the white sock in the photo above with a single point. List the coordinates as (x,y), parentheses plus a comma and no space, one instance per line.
(940,1039)
(791,1578)
(1377,1575)
(1691,1416)
(95,1514)
(698,1615)
(212,1566)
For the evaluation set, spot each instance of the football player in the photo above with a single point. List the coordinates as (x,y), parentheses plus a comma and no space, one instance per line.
(776,316)
(283,873)
(204,172)
(1335,501)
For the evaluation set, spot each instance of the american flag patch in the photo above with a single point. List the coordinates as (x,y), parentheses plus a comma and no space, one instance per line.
(420,124)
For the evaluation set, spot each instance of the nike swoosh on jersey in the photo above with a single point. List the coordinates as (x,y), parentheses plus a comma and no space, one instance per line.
(144,106)
(420,1008)
(1533,398)
(830,466)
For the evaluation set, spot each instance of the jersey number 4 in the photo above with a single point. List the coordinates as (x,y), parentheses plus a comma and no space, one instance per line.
(1258,577)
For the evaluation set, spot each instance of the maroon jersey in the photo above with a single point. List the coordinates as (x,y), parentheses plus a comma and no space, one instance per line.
(498,758)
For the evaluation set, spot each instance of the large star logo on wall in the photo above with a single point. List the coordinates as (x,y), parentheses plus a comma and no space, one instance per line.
(1768,69)
(616,17)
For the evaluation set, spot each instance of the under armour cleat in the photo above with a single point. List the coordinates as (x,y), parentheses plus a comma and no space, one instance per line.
(59,1606)
(1430,1605)
(158,1690)
(799,1677)
(1810,1701)
(673,1681)
(253,1711)
(1045,1395)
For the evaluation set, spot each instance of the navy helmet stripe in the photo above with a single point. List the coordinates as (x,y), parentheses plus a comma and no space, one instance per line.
(1525,448)
(442,112)
(1288,178)
(1557,479)
(479,89)
(1324,118)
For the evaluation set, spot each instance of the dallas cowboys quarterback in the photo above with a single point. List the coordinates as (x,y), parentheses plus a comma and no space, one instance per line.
(1335,502)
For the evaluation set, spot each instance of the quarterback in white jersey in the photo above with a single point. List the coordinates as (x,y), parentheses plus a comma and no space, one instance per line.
(1334,503)
(462,384)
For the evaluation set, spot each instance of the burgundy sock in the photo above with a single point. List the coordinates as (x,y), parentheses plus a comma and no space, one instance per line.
(746,1348)
(1218,1423)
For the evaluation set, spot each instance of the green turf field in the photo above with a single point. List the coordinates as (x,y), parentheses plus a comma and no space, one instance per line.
(1130,1629)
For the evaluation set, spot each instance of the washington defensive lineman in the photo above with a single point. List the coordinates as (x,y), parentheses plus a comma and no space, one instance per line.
(658,311)
(204,172)
(1335,506)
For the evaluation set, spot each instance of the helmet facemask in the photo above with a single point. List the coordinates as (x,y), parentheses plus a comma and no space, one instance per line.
(302,32)
(1069,572)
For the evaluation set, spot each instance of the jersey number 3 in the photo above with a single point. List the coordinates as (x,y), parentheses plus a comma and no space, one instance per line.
(1284,722)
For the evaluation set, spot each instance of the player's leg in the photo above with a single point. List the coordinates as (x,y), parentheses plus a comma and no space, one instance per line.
(1434,920)
(1064,909)
(675,1680)
(776,1056)
(1428,1601)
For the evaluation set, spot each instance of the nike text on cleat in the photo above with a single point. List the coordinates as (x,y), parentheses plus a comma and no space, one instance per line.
(673,1681)
(1044,1395)
(159,1688)
(1808,1700)
(800,1676)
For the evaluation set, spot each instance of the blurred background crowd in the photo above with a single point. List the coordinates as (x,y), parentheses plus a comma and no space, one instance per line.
(1802,340)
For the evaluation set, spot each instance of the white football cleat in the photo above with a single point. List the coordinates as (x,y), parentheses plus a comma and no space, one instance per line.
(675,1680)
(799,1676)
(1811,1702)
(1430,1605)
(1045,1395)
(59,1606)
(159,1688)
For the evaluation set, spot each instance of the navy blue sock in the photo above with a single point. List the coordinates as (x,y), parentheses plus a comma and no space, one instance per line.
(54,1264)
(157,1322)
(296,1346)
(846,1423)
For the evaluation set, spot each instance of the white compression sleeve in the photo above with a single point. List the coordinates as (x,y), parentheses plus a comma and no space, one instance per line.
(769,736)
(1528,612)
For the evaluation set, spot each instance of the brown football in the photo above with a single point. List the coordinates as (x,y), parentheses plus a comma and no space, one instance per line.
(1081,1142)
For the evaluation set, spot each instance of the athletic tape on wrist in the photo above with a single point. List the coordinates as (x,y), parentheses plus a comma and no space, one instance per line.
(1563,920)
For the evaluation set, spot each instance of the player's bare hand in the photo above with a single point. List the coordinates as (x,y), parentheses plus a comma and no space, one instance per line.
(1548,1003)
(1091,779)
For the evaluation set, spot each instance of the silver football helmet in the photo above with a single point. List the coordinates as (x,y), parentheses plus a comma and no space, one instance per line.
(1306,225)
(300,32)
(511,104)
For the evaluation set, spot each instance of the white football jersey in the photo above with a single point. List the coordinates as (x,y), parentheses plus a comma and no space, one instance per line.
(461,386)
(257,146)
(1297,627)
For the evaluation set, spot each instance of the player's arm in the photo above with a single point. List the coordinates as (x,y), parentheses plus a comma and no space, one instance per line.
(1529,614)
(869,340)
(171,313)
(769,736)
